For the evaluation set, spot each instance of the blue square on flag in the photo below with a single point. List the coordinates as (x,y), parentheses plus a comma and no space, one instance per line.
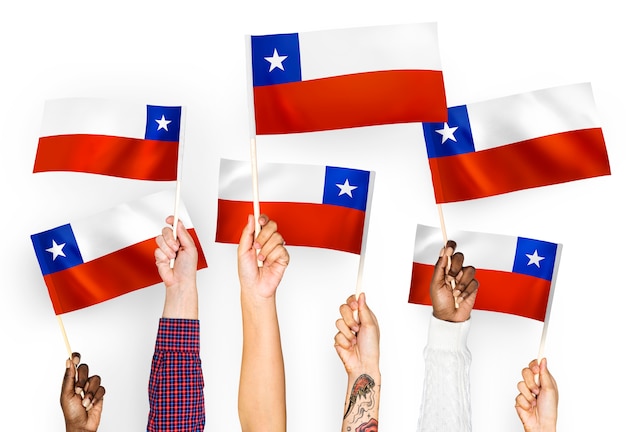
(535,258)
(56,249)
(346,187)
(163,123)
(451,138)
(275,59)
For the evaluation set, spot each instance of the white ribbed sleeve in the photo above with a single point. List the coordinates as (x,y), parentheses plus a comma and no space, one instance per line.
(446,398)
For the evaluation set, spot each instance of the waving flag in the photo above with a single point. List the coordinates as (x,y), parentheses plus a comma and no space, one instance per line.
(516,142)
(316,206)
(334,79)
(109,137)
(92,260)
(516,274)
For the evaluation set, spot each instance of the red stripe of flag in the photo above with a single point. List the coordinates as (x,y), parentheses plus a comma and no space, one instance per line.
(107,277)
(543,161)
(499,291)
(363,99)
(301,224)
(108,155)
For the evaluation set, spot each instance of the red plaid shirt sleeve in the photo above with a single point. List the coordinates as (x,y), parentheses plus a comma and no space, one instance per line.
(175,391)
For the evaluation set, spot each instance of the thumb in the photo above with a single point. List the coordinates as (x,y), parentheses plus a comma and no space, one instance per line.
(545,379)
(438,281)
(247,237)
(185,239)
(365,314)
(69,380)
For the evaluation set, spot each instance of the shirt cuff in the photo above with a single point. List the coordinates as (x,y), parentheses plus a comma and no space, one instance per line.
(177,334)
(446,335)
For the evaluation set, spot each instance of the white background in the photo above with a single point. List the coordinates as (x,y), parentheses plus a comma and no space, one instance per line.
(192,53)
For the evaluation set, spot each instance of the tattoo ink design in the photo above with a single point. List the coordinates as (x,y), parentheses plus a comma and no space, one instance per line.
(370,426)
(361,388)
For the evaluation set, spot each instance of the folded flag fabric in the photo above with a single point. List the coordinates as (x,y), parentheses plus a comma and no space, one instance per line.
(343,78)
(517,142)
(111,253)
(517,275)
(109,137)
(316,206)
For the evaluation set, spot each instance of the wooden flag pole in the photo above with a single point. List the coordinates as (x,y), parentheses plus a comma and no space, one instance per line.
(175,224)
(67,342)
(443,225)
(253,153)
(366,223)
(445,242)
(255,191)
(255,186)
(544,335)
(179,173)
(546,321)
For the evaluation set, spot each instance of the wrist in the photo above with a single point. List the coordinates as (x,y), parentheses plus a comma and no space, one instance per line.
(259,309)
(373,372)
(453,316)
(448,336)
(71,428)
(181,301)
(252,295)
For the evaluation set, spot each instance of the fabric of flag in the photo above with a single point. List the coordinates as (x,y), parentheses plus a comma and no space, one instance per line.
(335,79)
(111,253)
(517,142)
(316,206)
(109,137)
(517,275)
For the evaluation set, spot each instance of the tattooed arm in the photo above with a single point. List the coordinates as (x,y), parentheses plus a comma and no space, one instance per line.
(357,344)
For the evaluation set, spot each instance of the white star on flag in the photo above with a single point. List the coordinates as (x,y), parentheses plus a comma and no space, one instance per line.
(447,133)
(276,61)
(534,259)
(345,188)
(56,250)
(163,123)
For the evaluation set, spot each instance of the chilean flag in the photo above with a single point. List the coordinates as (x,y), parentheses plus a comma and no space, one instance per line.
(111,253)
(517,275)
(316,206)
(516,142)
(109,137)
(343,78)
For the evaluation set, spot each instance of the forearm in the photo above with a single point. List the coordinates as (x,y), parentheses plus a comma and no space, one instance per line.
(446,391)
(262,404)
(181,302)
(362,401)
